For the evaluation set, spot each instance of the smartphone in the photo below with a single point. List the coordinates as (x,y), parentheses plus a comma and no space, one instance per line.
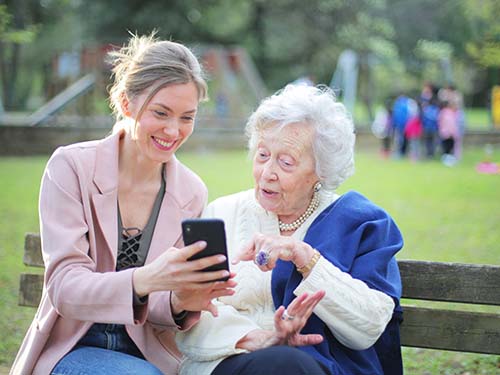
(211,231)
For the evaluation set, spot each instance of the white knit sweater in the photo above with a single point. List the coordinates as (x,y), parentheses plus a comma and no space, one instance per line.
(356,314)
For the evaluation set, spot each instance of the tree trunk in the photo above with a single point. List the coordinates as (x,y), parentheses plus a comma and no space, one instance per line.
(10,63)
(260,35)
(11,78)
(367,89)
(3,74)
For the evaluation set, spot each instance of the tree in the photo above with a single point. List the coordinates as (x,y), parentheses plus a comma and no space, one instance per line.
(428,33)
(484,44)
(31,33)
(287,38)
(13,34)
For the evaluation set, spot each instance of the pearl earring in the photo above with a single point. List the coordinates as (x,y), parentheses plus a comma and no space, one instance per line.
(317,186)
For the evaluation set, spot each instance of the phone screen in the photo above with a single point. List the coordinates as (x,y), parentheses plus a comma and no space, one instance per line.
(213,233)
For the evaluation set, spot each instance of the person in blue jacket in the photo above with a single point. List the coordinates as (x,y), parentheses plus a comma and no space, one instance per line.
(403,109)
(430,116)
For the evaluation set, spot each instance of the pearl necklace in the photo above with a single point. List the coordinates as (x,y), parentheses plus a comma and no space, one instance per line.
(297,223)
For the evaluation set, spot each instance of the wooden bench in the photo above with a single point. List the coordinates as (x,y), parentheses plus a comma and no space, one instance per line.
(423,327)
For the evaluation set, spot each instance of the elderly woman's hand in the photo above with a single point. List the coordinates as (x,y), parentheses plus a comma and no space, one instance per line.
(289,322)
(287,326)
(265,250)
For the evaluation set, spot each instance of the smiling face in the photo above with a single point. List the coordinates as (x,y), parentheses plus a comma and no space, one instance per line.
(284,170)
(166,122)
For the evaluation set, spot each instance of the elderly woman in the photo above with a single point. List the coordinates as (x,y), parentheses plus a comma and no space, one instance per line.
(331,256)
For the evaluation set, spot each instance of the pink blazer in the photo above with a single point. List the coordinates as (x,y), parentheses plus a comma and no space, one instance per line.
(79,231)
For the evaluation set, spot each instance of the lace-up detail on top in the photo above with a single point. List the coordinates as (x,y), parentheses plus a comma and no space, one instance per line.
(133,242)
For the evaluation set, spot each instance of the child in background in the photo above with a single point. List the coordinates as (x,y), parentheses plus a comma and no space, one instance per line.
(430,115)
(382,128)
(413,133)
(448,132)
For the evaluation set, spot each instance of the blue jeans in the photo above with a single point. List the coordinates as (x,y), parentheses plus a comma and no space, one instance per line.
(273,360)
(105,349)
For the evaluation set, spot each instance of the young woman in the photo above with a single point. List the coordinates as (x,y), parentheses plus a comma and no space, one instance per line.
(117,280)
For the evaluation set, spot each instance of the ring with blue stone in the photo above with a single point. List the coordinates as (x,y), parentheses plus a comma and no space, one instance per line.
(262,258)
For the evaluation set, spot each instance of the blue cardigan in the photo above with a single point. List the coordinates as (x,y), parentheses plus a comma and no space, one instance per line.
(360,238)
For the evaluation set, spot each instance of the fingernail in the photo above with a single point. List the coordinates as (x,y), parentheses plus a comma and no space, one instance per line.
(221,258)
(225,273)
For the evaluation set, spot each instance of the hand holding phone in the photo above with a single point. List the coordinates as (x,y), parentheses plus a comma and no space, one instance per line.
(213,233)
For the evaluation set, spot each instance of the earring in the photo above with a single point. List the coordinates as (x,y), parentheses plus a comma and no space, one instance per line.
(317,186)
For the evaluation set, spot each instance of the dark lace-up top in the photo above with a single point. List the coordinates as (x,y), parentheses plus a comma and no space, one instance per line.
(134,243)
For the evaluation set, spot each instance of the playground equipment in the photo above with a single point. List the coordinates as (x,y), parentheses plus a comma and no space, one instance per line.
(60,101)
(495,106)
(236,88)
(345,78)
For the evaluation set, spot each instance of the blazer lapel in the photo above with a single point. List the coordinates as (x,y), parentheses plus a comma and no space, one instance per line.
(106,211)
(105,202)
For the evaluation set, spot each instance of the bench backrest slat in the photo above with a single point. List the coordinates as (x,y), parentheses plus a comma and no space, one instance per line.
(30,289)
(32,250)
(451,330)
(451,282)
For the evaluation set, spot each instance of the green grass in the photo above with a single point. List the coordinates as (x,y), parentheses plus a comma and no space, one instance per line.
(445,214)
(19,182)
(478,119)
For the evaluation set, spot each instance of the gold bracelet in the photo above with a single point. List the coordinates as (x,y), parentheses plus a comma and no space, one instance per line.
(309,266)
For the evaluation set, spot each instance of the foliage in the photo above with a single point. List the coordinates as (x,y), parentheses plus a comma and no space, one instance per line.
(416,20)
(433,50)
(24,50)
(7,34)
(291,38)
(21,36)
(12,36)
(267,29)
(407,39)
(484,46)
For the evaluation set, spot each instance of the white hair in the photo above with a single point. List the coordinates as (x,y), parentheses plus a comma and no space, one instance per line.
(333,142)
